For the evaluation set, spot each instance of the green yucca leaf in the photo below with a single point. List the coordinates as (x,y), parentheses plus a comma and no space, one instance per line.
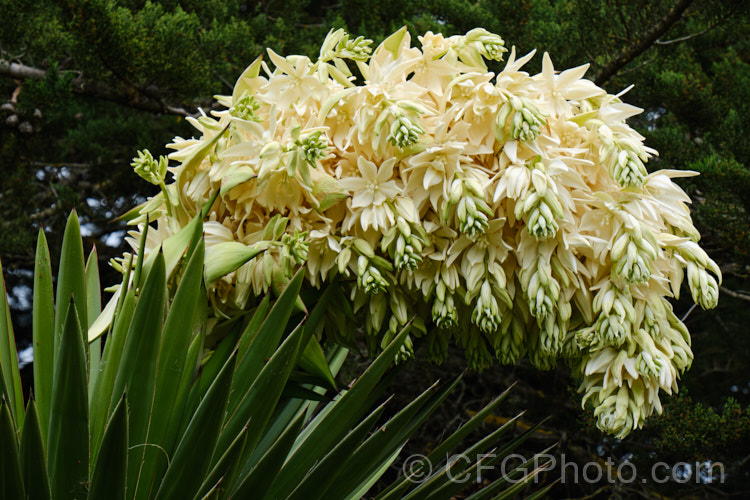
(499,486)
(110,364)
(228,256)
(140,268)
(341,416)
(460,474)
(225,466)
(259,315)
(11,482)
(263,395)
(192,457)
(396,489)
(93,309)
(260,478)
(140,355)
(218,358)
(389,437)
(291,408)
(11,377)
(442,476)
(510,447)
(543,492)
(521,483)
(287,411)
(176,337)
(174,247)
(263,344)
(182,410)
(43,332)
(313,359)
(33,460)
(376,474)
(449,444)
(68,438)
(441,485)
(109,477)
(71,280)
(294,390)
(230,419)
(320,477)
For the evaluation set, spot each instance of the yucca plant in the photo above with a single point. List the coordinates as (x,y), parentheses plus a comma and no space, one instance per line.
(177,406)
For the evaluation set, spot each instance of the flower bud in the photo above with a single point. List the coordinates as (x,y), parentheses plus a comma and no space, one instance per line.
(703,286)
(150,169)
(405,131)
(444,312)
(246,108)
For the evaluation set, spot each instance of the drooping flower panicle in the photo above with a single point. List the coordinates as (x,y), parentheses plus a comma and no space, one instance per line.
(514,213)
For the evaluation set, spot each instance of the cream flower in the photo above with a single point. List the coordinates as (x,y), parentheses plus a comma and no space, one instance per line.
(511,214)
(371,190)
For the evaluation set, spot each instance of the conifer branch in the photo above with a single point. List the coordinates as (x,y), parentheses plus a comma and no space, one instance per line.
(147,100)
(640,46)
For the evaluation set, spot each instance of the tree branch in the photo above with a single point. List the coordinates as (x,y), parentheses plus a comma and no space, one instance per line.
(736,295)
(148,100)
(649,38)
(686,37)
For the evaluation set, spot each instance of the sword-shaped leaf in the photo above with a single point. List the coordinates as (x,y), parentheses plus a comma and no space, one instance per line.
(257,482)
(68,438)
(11,481)
(320,477)
(43,332)
(264,342)
(110,476)
(340,416)
(101,407)
(93,309)
(192,457)
(139,359)
(33,460)
(11,377)
(175,342)
(261,398)
(71,280)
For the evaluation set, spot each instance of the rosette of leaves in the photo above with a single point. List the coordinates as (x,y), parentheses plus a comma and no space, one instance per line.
(171,405)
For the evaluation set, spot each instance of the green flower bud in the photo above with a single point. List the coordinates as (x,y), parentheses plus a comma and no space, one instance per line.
(294,250)
(540,207)
(648,365)
(519,119)
(488,44)
(444,313)
(150,169)
(312,148)
(369,278)
(246,108)
(486,313)
(357,50)
(405,131)
(624,163)
(551,336)
(631,264)
(703,286)
(612,330)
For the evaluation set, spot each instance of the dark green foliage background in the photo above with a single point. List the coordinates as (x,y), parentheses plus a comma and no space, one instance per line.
(145,61)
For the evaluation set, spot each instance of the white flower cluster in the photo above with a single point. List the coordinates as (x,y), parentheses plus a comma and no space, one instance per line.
(510,214)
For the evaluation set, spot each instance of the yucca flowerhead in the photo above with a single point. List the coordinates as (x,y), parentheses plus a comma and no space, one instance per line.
(509,213)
